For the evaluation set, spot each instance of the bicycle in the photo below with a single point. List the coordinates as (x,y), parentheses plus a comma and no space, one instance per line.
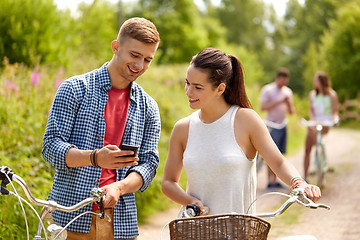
(320,160)
(234,226)
(270,125)
(56,232)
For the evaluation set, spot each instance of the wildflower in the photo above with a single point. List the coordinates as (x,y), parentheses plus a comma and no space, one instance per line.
(12,86)
(35,78)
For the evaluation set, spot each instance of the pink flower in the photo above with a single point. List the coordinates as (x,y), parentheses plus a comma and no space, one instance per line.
(58,83)
(35,78)
(13,87)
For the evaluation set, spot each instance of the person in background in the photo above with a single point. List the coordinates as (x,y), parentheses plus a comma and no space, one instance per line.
(323,102)
(277,101)
(217,144)
(91,116)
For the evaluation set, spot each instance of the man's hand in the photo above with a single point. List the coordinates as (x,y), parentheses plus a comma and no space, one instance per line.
(112,194)
(111,157)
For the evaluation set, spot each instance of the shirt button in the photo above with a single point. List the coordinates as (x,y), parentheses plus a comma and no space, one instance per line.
(100,137)
(101,85)
(106,95)
(103,116)
(96,181)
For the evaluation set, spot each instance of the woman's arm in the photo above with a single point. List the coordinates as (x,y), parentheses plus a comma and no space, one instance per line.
(334,104)
(174,165)
(263,143)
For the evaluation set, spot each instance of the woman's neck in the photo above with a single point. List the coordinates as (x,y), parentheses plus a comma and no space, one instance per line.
(214,112)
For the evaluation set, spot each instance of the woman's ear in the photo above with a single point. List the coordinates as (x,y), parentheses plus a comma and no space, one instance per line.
(221,88)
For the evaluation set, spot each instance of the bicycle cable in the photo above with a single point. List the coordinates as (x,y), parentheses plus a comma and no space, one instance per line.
(266,194)
(22,207)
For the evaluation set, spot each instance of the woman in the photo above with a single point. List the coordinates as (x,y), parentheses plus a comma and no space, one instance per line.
(217,144)
(323,107)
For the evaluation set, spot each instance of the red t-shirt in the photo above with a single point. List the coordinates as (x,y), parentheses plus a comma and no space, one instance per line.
(116,110)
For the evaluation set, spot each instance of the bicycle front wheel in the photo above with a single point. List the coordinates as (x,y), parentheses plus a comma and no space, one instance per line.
(320,165)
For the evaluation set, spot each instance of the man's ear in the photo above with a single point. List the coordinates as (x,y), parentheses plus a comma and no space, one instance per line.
(115,46)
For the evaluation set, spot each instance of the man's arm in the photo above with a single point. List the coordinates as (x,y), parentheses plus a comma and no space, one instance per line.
(110,157)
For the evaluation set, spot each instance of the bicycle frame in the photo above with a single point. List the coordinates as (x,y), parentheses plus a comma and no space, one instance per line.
(319,153)
(48,206)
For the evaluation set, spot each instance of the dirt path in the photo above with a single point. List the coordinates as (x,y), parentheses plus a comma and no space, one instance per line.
(342,194)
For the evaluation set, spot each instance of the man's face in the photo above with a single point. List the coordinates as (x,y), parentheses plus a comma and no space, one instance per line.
(281,81)
(132,58)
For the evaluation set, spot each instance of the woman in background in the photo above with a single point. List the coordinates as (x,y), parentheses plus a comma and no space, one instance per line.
(323,107)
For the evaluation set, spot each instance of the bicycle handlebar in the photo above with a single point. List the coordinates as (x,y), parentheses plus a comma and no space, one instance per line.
(296,195)
(314,123)
(97,193)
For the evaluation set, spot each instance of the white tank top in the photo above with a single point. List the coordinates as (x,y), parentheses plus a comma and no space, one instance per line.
(322,107)
(217,170)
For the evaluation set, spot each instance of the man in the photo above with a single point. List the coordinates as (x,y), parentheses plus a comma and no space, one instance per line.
(277,100)
(91,116)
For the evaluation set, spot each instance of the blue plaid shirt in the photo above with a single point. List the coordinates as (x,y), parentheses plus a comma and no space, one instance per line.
(76,120)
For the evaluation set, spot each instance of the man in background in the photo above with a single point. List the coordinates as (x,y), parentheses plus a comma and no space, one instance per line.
(277,101)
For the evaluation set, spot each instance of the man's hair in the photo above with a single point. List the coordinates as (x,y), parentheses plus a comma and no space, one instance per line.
(282,72)
(140,29)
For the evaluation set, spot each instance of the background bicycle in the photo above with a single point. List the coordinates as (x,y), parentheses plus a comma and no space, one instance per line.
(55,231)
(320,162)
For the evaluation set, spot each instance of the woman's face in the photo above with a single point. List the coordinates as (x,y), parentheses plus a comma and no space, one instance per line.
(199,90)
(316,83)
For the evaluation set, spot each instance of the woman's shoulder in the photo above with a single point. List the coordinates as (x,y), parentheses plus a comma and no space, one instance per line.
(247,115)
(182,124)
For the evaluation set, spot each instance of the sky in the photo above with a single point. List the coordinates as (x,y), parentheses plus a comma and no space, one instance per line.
(279,5)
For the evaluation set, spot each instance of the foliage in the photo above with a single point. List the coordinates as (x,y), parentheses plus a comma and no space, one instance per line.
(180,27)
(341,49)
(34,31)
(244,22)
(303,27)
(95,33)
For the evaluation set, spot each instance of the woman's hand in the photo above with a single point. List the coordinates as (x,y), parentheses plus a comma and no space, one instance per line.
(312,192)
(198,203)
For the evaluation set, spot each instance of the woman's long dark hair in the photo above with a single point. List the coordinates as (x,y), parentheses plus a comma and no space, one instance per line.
(223,68)
(324,82)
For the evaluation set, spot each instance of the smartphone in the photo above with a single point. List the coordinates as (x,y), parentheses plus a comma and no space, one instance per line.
(129,147)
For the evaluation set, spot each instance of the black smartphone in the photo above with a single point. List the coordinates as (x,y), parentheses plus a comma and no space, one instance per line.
(129,147)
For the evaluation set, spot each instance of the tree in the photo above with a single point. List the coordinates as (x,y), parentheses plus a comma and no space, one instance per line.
(341,50)
(181,29)
(304,25)
(244,22)
(33,30)
(97,27)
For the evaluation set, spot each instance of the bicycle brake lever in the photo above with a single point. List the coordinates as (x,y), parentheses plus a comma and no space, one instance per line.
(101,207)
(306,201)
(323,206)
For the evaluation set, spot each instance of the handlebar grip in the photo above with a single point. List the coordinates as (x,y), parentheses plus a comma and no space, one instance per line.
(4,170)
(5,174)
(192,210)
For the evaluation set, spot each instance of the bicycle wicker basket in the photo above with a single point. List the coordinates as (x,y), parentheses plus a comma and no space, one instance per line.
(221,226)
